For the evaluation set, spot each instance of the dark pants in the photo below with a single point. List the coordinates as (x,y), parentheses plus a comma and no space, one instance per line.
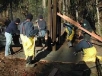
(16,39)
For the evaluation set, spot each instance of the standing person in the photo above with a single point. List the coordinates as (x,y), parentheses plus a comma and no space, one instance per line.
(27,34)
(41,26)
(86,25)
(10,30)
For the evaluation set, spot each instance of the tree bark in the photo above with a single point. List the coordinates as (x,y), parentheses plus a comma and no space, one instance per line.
(98,18)
(11,11)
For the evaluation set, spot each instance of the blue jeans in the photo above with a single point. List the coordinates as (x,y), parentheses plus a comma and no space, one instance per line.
(42,33)
(8,43)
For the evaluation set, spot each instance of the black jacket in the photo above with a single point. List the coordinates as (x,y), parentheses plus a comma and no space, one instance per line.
(12,28)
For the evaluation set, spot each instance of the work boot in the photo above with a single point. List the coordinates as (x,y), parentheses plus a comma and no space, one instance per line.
(29,62)
(29,59)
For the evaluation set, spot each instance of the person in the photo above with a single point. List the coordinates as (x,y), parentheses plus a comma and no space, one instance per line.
(69,29)
(27,35)
(47,42)
(10,30)
(41,26)
(86,25)
(89,51)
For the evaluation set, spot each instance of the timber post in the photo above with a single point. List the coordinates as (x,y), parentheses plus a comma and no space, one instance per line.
(50,17)
(54,14)
(58,28)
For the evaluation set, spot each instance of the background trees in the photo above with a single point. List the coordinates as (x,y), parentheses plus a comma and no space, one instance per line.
(89,9)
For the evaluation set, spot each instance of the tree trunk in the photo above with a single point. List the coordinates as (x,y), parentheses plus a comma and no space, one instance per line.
(64,12)
(76,13)
(49,23)
(11,14)
(98,22)
(60,5)
(44,5)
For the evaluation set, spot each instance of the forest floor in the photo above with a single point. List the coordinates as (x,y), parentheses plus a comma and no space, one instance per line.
(16,66)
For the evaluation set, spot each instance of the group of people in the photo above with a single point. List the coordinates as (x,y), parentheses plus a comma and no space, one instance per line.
(27,35)
(82,43)
(82,40)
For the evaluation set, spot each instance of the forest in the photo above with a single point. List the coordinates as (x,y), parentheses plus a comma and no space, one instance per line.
(91,10)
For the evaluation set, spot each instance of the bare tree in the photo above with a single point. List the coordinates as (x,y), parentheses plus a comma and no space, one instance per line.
(98,19)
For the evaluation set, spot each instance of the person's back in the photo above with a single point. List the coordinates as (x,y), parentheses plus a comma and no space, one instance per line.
(28,28)
(42,24)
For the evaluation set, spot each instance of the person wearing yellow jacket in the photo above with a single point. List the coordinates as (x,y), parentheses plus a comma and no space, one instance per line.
(89,54)
(27,35)
(69,29)
(89,51)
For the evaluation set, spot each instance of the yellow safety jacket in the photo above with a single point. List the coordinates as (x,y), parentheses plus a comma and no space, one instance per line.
(69,37)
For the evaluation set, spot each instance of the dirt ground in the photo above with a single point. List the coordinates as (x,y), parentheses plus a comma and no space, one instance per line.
(16,67)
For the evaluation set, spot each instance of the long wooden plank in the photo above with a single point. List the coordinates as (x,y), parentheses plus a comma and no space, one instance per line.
(53,72)
(79,26)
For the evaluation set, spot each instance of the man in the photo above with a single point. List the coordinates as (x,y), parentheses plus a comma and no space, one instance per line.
(27,34)
(41,26)
(86,25)
(89,52)
(10,30)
